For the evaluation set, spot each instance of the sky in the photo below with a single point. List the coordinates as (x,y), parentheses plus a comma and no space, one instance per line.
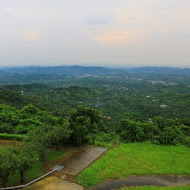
(122,33)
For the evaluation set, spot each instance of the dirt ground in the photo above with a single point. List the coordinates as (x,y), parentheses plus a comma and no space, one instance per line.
(8,143)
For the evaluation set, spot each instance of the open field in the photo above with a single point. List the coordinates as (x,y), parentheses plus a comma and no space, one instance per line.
(137,159)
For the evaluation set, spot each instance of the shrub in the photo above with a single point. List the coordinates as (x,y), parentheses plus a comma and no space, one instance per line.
(5,136)
(103,139)
(131,131)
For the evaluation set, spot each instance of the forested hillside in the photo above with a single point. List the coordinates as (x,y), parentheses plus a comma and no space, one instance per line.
(102,110)
(126,95)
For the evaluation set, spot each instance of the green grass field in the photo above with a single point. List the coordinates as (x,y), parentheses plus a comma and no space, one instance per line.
(157,188)
(137,159)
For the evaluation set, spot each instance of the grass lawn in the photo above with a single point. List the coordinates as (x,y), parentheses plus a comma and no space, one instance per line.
(137,159)
(157,188)
(53,155)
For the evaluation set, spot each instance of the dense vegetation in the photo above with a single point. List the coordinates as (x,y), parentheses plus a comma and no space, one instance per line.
(87,125)
(117,95)
(51,107)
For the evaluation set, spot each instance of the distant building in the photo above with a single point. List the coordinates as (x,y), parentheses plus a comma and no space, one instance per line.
(163,106)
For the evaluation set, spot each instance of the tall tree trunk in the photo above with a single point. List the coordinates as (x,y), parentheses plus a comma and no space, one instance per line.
(5,179)
(22,176)
(4,184)
(57,147)
(43,156)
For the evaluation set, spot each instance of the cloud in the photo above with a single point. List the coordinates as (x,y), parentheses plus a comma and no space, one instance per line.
(98,20)
(119,37)
(24,13)
(31,35)
(114,31)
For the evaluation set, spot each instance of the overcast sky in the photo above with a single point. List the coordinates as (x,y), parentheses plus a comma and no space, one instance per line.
(95,32)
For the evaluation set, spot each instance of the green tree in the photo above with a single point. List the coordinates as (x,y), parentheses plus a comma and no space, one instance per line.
(8,164)
(25,159)
(39,140)
(8,119)
(130,131)
(84,121)
(59,134)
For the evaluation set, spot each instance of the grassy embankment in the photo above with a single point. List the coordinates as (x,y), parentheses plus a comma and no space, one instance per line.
(36,170)
(137,159)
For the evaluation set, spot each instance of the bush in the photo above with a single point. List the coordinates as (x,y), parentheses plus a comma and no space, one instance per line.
(131,131)
(171,135)
(103,139)
(160,131)
(5,136)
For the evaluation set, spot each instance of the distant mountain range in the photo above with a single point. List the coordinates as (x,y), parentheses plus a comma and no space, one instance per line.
(82,70)
(62,70)
(161,70)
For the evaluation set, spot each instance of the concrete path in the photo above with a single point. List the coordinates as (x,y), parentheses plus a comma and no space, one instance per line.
(54,183)
(81,159)
(144,181)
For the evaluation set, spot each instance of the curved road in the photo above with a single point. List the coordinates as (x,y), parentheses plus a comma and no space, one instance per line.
(144,181)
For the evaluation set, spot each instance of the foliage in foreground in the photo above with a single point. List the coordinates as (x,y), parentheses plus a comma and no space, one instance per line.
(36,169)
(137,159)
(85,125)
(34,148)
(18,163)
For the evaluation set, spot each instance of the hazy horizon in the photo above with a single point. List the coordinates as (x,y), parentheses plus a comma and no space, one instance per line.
(107,33)
(114,67)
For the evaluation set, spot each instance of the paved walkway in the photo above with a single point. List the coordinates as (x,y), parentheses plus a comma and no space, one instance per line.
(76,162)
(81,159)
(144,181)
(54,183)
